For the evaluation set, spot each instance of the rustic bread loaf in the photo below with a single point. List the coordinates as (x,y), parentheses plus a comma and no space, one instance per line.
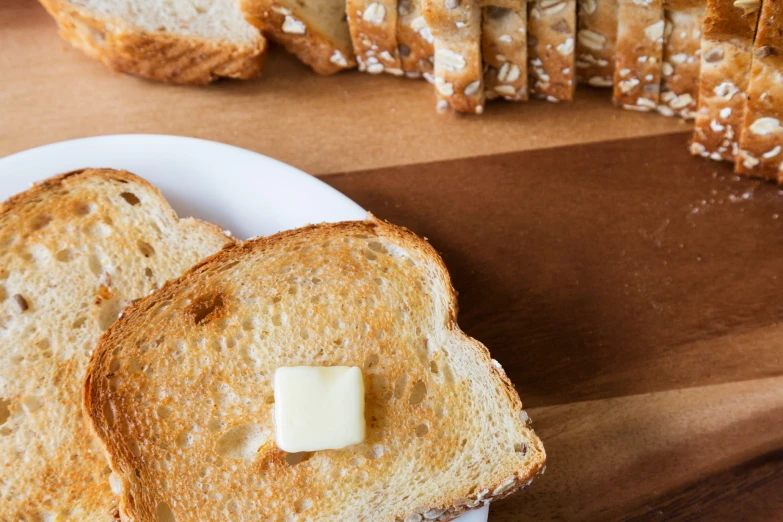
(177,41)
(179,390)
(75,250)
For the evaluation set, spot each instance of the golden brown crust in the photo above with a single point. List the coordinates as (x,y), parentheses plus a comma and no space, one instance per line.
(723,79)
(639,49)
(156,56)
(314,48)
(551,43)
(97,390)
(373,27)
(761,140)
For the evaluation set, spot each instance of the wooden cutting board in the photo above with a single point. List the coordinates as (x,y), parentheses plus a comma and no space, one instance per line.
(629,290)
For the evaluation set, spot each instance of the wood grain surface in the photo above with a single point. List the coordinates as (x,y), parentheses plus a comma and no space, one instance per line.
(632,294)
(630,291)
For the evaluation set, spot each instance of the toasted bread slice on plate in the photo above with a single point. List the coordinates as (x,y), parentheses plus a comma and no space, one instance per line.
(551,41)
(639,53)
(761,140)
(75,250)
(315,31)
(595,42)
(459,74)
(504,35)
(190,42)
(723,79)
(180,390)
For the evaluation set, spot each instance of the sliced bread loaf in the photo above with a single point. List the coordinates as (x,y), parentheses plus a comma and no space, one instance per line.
(316,31)
(177,41)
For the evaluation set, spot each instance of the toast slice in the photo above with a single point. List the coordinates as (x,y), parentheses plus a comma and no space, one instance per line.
(373,28)
(315,31)
(595,42)
(761,140)
(726,46)
(551,43)
(459,75)
(415,43)
(639,48)
(75,249)
(188,42)
(190,366)
(504,36)
(681,57)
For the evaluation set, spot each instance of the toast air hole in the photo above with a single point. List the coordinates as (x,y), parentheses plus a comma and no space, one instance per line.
(65,255)
(421,430)
(399,386)
(292,459)
(5,410)
(163,513)
(207,308)
(418,392)
(130,198)
(145,248)
(39,222)
(108,414)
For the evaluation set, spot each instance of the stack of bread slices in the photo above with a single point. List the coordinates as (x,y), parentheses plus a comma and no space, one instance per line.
(719,62)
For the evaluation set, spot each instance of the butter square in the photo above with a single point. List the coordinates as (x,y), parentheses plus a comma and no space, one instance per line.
(318,407)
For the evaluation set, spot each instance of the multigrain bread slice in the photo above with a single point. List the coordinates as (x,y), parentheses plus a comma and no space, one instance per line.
(315,31)
(176,41)
(188,369)
(415,43)
(761,140)
(551,43)
(681,57)
(73,250)
(723,80)
(459,75)
(639,53)
(595,42)
(504,36)
(373,28)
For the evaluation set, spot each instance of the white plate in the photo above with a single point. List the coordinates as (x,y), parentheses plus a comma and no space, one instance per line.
(245,192)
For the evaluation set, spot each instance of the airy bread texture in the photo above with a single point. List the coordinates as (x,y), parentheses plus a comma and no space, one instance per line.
(639,53)
(73,251)
(316,31)
(179,390)
(723,79)
(504,37)
(761,141)
(177,41)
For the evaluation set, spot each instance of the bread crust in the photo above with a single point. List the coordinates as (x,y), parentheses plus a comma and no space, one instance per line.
(761,140)
(314,48)
(639,48)
(504,36)
(681,57)
(97,392)
(459,75)
(373,26)
(723,79)
(595,42)
(551,43)
(155,56)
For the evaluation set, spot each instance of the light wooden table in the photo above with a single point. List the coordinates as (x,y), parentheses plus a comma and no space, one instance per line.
(631,292)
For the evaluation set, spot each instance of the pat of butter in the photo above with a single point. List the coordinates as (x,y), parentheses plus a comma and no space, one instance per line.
(318,407)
